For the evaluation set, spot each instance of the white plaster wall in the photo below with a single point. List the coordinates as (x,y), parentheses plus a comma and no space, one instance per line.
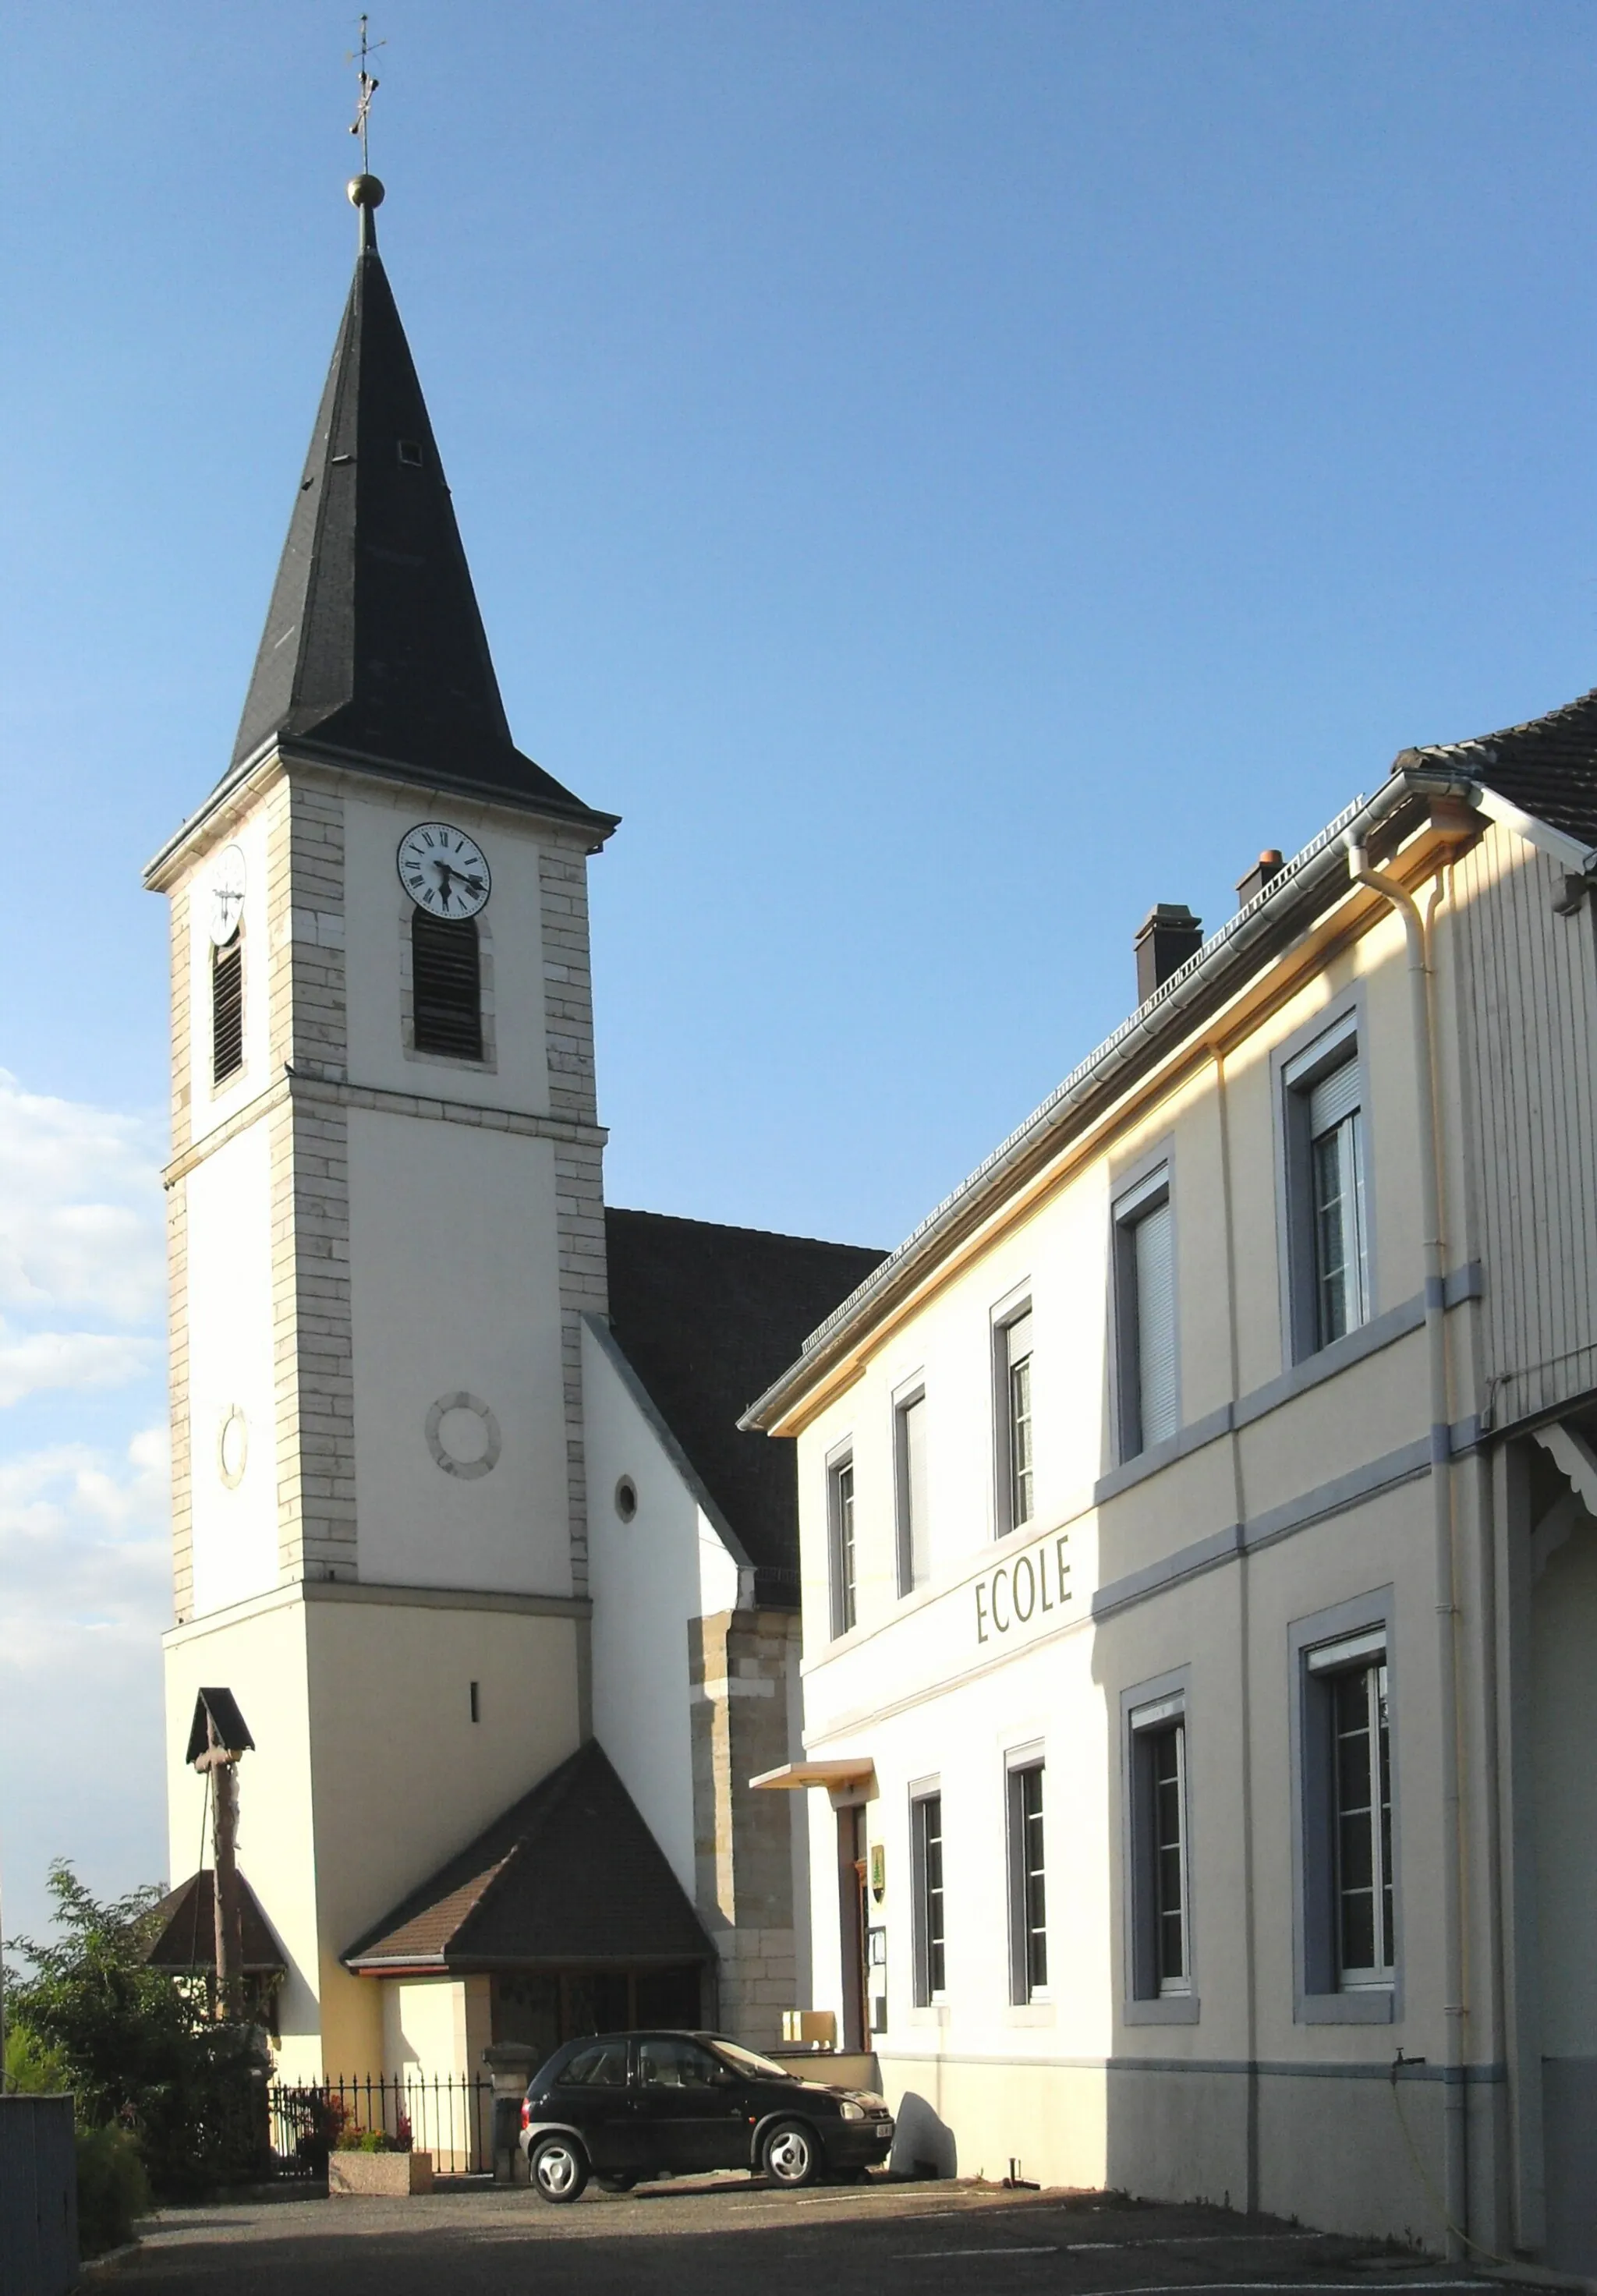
(403,1777)
(455,1284)
(648,1578)
(400,1777)
(260,1656)
(378,915)
(930,1686)
(230,1364)
(209,1109)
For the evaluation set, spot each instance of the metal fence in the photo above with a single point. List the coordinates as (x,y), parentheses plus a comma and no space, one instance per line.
(448,2115)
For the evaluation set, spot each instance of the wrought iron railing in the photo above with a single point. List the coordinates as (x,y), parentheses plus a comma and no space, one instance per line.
(448,2115)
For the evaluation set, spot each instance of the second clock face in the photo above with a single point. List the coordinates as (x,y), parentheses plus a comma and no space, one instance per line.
(443,871)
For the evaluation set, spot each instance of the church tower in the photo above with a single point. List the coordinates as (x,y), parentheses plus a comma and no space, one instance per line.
(385,1213)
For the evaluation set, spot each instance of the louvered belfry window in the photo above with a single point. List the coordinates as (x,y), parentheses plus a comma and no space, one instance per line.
(447,986)
(228,1010)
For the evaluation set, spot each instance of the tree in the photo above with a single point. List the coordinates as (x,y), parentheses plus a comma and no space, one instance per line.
(136,2045)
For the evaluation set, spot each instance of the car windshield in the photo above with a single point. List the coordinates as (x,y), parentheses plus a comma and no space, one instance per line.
(745,2062)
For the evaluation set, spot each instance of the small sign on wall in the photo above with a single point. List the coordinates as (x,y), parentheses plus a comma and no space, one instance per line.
(878,1874)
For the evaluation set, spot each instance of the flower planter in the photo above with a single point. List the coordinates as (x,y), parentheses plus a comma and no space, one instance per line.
(379,2176)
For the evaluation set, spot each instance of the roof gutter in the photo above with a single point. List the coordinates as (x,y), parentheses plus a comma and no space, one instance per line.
(1312,880)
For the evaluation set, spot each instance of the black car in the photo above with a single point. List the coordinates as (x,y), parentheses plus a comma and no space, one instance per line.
(628,2107)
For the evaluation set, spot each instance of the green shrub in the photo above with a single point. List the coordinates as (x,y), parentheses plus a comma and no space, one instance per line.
(112,2189)
(32,2067)
(137,2046)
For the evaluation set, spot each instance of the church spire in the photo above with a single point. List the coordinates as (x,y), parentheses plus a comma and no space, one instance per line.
(373,649)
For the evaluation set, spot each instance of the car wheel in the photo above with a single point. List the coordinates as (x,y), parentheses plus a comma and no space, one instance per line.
(559,2168)
(615,2184)
(790,2155)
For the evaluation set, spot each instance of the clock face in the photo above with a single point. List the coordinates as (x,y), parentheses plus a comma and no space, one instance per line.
(443,871)
(226,894)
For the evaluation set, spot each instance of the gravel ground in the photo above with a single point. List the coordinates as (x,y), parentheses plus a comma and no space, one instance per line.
(733,2236)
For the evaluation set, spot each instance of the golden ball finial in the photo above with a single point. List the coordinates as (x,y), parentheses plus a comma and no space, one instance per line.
(366,192)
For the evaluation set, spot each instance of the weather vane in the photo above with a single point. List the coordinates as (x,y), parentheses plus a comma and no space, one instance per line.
(369,88)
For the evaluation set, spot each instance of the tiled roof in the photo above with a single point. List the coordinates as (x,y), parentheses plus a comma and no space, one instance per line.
(187,1937)
(374,647)
(707,1316)
(1546,767)
(570,1874)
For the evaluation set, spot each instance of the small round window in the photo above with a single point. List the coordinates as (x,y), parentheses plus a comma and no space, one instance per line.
(626,1498)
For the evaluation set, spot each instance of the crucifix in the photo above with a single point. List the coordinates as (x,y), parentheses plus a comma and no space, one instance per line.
(217,1738)
(369,88)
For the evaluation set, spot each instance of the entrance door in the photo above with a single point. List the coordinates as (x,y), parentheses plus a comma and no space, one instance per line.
(850,1906)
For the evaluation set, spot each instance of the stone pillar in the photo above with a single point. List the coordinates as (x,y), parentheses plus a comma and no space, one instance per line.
(738,1667)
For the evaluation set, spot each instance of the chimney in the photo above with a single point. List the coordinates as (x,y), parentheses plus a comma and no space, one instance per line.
(1167,936)
(1266,866)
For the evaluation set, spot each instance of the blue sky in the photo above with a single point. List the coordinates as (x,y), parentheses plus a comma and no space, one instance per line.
(949,475)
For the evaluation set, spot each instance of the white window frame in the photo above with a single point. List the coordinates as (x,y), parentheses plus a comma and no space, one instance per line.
(913,1528)
(1321,1650)
(1014,1476)
(843,1541)
(1333,1049)
(930,1937)
(1150,1712)
(1151,1194)
(1359,1662)
(1028,1982)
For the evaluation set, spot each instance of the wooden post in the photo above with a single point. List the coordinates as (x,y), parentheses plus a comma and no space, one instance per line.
(228,1911)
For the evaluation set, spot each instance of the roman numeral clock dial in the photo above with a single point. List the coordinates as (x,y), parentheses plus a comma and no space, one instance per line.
(443,871)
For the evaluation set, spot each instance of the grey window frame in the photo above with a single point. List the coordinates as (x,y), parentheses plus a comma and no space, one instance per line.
(1151,1189)
(930,1938)
(1319,1996)
(842,1535)
(1027,1982)
(1016,1309)
(1297,1065)
(1147,1709)
(911,1534)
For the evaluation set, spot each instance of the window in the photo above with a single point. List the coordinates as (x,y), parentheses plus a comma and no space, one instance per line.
(1161,1953)
(925,1818)
(1145,1314)
(909,1476)
(1344,1779)
(1329,1244)
(668,2061)
(1028,1897)
(1014,1385)
(1349,1682)
(228,1010)
(602,2064)
(840,1522)
(446,985)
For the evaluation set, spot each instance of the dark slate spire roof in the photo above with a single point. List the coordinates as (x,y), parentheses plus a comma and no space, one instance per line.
(374,648)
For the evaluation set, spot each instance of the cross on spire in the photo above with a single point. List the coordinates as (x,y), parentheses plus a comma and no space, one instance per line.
(369,88)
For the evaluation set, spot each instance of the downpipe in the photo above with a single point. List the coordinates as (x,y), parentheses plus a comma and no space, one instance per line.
(1454,2131)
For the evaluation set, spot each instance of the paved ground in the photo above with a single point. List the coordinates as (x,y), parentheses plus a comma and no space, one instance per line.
(732,2237)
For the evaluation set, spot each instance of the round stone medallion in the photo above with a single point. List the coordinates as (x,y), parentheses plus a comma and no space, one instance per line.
(232,1447)
(463,1436)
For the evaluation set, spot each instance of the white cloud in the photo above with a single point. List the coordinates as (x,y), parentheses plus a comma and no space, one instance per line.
(33,1361)
(85,1567)
(84,1551)
(80,1244)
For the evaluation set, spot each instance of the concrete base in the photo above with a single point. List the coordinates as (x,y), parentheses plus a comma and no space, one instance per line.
(379,2176)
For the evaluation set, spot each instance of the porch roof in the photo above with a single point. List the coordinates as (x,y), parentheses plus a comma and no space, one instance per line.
(187,1937)
(570,1876)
